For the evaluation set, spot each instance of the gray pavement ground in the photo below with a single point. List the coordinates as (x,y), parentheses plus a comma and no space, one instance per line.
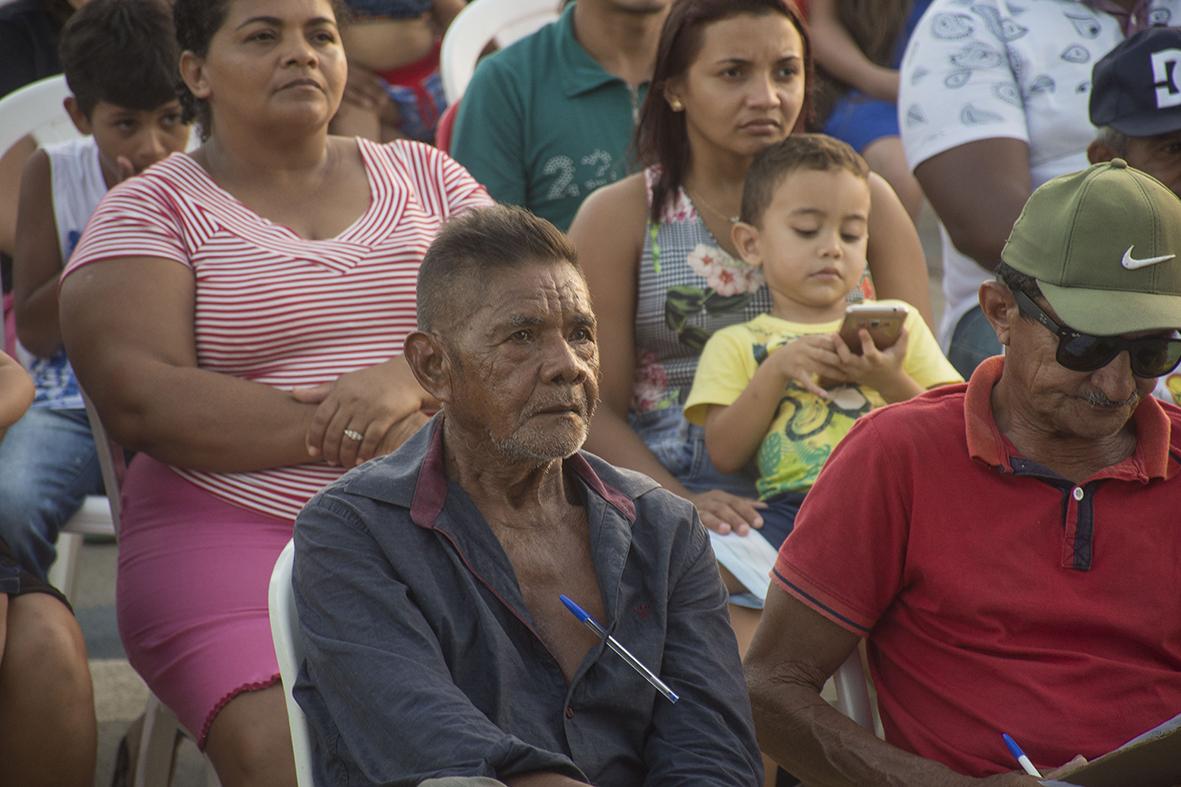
(120,694)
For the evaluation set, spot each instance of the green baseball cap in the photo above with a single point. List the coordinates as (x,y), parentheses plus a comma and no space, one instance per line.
(1103,245)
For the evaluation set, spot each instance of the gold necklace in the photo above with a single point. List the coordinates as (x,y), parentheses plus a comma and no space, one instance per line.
(700,200)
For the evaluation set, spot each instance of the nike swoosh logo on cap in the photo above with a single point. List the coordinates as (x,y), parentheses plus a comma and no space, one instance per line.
(1131,263)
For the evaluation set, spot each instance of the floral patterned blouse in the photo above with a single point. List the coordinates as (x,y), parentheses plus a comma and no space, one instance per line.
(689,287)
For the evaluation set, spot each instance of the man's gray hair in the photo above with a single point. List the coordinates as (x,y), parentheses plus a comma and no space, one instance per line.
(1116,140)
(473,245)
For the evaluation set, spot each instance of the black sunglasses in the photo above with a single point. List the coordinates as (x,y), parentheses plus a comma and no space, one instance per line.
(1151,356)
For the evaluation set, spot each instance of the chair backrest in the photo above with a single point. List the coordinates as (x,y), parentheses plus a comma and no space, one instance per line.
(111,461)
(445,127)
(853,691)
(284,625)
(36,109)
(482,21)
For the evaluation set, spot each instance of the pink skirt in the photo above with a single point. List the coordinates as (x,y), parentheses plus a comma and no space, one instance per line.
(191,593)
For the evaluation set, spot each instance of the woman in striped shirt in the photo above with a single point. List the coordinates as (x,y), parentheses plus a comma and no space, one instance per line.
(237,314)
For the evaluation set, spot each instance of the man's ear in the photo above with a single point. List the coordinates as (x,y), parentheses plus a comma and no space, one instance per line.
(1099,151)
(1000,309)
(192,71)
(746,240)
(427,358)
(77,116)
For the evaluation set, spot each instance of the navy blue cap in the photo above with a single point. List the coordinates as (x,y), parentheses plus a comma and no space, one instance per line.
(1136,87)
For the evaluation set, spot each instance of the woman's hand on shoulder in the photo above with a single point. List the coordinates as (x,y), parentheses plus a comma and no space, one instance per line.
(383,403)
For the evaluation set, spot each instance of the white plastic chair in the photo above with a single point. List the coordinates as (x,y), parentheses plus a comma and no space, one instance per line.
(853,691)
(284,626)
(482,21)
(157,740)
(36,109)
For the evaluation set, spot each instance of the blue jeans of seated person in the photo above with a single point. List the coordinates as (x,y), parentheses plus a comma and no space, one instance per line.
(779,517)
(972,341)
(48,465)
(680,447)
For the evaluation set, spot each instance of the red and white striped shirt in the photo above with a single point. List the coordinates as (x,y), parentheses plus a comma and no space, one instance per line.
(274,308)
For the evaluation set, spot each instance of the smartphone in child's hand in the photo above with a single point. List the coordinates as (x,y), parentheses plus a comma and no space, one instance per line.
(884,324)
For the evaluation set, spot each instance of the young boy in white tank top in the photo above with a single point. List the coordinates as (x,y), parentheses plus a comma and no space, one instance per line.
(120,61)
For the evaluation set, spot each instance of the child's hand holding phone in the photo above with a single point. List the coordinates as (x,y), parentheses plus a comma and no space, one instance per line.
(806,360)
(877,368)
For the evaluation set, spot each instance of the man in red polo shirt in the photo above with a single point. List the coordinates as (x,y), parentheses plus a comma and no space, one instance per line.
(1010,548)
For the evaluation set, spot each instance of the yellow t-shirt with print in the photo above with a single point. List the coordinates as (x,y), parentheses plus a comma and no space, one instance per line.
(806,427)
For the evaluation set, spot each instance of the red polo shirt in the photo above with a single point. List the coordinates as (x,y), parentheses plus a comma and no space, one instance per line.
(996,595)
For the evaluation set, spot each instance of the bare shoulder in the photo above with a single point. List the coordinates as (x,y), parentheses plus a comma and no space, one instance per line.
(611,221)
(623,199)
(880,190)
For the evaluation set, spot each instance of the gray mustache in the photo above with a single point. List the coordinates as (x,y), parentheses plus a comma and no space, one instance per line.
(1099,399)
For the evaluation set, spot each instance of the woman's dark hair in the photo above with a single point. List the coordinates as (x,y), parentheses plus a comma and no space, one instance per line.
(122,52)
(661,138)
(196,23)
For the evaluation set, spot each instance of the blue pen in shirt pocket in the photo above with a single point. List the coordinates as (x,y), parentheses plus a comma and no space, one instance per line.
(623,652)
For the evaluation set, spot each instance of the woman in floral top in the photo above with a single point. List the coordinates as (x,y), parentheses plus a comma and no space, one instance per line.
(729,80)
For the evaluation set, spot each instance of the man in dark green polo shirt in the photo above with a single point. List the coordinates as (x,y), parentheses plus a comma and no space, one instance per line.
(548,120)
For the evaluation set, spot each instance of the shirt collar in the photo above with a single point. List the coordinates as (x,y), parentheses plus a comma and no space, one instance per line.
(1150,460)
(430,490)
(579,72)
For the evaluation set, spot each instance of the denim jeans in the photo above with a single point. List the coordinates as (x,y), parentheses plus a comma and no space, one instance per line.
(48,465)
(680,447)
(972,341)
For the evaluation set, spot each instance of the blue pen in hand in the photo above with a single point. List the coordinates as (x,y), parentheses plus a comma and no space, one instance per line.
(613,643)
(1019,755)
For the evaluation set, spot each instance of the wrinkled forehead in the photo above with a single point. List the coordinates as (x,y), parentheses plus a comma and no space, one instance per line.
(533,293)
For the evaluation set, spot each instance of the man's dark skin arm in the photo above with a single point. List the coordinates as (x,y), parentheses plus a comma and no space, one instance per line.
(794,652)
(978,189)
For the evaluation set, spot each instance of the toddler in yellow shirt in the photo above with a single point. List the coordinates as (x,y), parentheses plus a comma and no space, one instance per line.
(784,388)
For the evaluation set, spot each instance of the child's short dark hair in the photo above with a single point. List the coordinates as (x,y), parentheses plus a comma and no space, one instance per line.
(798,151)
(123,52)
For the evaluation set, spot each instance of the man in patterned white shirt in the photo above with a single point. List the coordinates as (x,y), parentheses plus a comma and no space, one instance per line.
(993,103)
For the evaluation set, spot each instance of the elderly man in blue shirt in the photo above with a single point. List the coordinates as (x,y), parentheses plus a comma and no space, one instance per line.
(427,582)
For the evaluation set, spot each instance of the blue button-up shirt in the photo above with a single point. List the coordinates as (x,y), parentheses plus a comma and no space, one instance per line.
(421,659)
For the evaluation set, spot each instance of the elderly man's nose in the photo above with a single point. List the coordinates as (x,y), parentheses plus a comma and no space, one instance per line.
(563,363)
(1116,380)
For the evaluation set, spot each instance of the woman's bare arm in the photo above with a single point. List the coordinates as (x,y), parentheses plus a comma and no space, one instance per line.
(895,254)
(608,233)
(840,56)
(128,329)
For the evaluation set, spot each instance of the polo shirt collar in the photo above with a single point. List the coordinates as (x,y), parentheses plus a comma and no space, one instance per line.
(579,72)
(430,490)
(986,442)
